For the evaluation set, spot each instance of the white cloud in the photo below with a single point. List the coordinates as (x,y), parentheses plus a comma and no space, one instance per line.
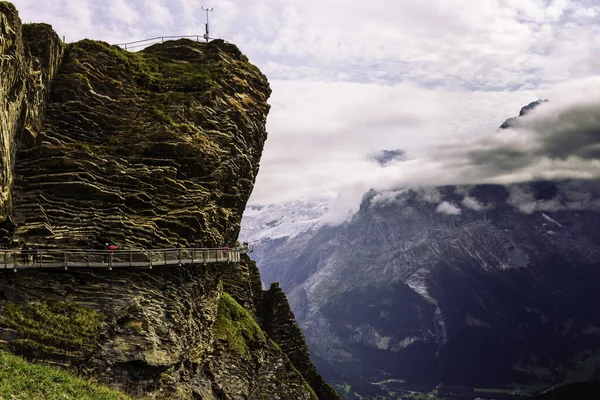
(572,196)
(586,12)
(159,13)
(429,194)
(122,11)
(448,209)
(388,197)
(473,204)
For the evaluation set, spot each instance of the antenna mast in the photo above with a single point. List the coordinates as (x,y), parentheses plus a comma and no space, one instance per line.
(207,34)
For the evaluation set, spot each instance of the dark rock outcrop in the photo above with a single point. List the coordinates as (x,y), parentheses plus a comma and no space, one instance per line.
(280,324)
(580,391)
(147,149)
(386,157)
(514,122)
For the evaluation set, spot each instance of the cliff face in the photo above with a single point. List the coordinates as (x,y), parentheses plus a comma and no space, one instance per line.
(146,149)
(29,58)
(168,333)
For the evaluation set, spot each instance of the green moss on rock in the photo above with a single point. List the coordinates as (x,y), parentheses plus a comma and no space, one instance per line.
(51,327)
(236,326)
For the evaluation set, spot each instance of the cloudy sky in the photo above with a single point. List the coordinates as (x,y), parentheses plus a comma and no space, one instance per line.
(350,77)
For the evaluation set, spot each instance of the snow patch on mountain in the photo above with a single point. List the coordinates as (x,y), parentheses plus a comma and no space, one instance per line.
(551,220)
(285,220)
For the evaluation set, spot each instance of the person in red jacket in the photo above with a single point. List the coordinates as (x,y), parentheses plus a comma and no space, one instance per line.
(110,249)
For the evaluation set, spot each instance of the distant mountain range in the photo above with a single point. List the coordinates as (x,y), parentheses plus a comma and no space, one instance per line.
(482,286)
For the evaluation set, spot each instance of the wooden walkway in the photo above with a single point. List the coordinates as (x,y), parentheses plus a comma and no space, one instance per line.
(145,258)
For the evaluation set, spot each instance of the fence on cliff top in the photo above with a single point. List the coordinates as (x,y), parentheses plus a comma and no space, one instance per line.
(78,258)
(160,39)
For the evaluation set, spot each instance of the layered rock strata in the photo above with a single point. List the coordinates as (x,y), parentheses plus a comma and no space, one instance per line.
(151,148)
(29,58)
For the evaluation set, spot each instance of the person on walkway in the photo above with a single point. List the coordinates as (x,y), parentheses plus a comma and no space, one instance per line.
(178,247)
(111,252)
(36,255)
(106,245)
(225,251)
(25,254)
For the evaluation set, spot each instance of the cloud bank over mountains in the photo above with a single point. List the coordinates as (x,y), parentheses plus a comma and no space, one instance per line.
(556,141)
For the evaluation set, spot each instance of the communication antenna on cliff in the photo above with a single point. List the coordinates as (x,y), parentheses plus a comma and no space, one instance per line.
(207,34)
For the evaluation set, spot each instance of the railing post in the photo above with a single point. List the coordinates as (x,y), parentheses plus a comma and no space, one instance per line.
(165,257)
(15,261)
(5,260)
(193,254)
(87,258)
(65,260)
(150,253)
(130,258)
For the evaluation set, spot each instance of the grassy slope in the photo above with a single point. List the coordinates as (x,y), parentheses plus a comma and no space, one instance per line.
(236,325)
(22,380)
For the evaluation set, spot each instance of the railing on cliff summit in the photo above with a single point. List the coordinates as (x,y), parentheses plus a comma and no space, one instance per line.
(77,258)
(160,39)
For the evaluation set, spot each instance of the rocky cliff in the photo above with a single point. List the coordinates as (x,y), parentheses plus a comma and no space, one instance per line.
(147,149)
(29,58)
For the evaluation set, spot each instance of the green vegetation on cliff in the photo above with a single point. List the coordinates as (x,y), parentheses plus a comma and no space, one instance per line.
(28,381)
(52,328)
(235,325)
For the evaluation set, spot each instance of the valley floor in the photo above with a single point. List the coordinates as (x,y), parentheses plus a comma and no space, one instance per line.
(399,391)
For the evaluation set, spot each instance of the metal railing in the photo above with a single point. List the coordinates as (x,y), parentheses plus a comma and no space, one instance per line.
(78,258)
(159,39)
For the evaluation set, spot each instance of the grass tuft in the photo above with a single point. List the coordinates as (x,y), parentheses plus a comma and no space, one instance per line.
(22,380)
